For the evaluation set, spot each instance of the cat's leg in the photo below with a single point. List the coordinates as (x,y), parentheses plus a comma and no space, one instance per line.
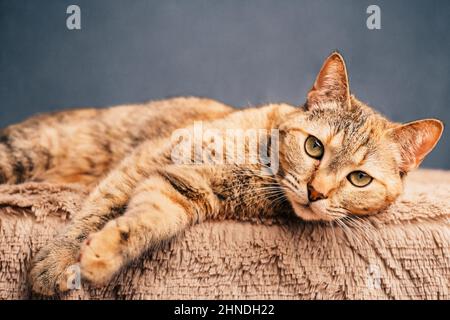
(161,207)
(51,265)
(163,203)
(169,201)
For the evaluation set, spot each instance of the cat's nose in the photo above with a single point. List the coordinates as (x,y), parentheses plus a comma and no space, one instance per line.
(313,194)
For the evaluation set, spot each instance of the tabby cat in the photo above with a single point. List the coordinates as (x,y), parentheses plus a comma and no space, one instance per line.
(337,158)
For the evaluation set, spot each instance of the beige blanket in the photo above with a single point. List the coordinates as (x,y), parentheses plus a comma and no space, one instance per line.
(403,253)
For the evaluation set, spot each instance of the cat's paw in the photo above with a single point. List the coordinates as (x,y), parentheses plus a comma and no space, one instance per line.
(52,269)
(102,254)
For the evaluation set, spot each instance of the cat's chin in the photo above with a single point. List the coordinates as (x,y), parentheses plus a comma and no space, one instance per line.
(309,213)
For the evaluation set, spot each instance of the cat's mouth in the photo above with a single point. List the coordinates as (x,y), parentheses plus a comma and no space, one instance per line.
(303,208)
(307,213)
(310,211)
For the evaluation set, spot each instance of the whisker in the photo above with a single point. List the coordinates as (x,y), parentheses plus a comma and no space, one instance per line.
(250,185)
(266,195)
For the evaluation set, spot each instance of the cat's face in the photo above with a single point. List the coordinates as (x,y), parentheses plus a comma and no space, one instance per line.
(339,157)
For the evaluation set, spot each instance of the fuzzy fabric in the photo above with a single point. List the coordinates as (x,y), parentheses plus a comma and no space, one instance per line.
(402,253)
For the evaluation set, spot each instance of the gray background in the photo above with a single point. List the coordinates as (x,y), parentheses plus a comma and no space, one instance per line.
(241,52)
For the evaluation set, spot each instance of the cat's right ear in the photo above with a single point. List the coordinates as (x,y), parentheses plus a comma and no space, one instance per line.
(331,84)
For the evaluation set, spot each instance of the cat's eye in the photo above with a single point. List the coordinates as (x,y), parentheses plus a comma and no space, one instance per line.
(359,179)
(314,148)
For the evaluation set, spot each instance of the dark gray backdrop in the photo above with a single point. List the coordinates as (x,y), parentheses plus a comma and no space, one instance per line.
(241,52)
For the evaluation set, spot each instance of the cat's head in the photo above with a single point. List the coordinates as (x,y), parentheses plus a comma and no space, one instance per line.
(338,157)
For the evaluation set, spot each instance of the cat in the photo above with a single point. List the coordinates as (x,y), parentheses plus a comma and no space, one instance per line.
(337,158)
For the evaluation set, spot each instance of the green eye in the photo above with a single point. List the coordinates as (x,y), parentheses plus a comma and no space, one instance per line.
(313,147)
(359,179)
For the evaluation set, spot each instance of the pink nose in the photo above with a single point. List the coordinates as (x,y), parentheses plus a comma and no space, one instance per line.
(313,194)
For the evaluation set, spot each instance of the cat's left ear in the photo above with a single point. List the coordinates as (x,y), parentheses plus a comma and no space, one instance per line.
(416,139)
(331,84)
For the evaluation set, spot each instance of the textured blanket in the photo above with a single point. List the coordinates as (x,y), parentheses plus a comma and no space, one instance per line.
(402,253)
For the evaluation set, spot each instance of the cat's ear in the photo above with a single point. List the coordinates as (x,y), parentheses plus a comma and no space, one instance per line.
(331,83)
(416,140)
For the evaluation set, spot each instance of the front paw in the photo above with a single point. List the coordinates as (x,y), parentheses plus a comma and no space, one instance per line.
(53,269)
(102,254)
